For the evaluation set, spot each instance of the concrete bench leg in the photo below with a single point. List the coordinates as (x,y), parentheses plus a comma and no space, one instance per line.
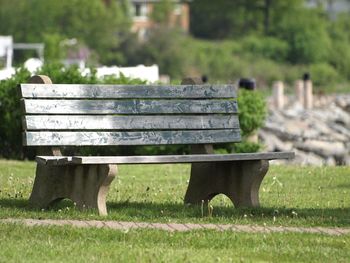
(86,185)
(240,181)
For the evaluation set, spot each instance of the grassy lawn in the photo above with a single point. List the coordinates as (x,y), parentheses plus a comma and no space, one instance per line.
(290,196)
(65,244)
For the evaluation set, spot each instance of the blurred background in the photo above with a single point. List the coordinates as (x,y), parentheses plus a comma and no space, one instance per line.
(222,39)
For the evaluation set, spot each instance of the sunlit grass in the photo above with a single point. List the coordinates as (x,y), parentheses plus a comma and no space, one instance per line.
(296,196)
(300,196)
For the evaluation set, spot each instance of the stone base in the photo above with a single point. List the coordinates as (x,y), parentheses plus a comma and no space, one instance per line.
(240,181)
(86,185)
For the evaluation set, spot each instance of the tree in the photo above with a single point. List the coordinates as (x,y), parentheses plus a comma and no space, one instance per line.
(306,33)
(96,23)
(225,19)
(161,12)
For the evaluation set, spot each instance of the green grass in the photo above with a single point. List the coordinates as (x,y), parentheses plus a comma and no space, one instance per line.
(66,244)
(290,196)
(293,196)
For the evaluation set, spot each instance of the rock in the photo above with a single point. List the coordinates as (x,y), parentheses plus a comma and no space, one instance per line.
(343,102)
(273,143)
(330,161)
(341,129)
(346,160)
(304,158)
(342,117)
(319,136)
(322,148)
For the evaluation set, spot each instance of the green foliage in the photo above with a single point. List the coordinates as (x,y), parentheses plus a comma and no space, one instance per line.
(161,12)
(252,111)
(267,47)
(246,147)
(252,114)
(227,19)
(323,74)
(59,74)
(306,35)
(164,47)
(10,115)
(54,52)
(92,22)
(339,58)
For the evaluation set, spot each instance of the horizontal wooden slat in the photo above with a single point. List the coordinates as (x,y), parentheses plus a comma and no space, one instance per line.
(38,106)
(126,91)
(193,158)
(130,138)
(165,122)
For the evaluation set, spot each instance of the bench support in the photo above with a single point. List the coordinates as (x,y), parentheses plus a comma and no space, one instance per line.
(239,180)
(86,185)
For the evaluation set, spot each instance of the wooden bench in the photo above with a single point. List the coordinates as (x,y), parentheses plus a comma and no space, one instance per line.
(105,115)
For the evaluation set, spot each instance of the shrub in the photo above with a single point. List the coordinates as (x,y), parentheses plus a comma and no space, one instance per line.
(323,74)
(339,58)
(10,115)
(306,35)
(252,114)
(252,111)
(267,47)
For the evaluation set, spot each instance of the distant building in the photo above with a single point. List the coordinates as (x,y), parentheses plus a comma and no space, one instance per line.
(332,7)
(142,10)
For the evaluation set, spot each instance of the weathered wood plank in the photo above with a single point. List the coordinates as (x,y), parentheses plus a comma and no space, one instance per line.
(130,138)
(126,91)
(165,122)
(38,106)
(192,158)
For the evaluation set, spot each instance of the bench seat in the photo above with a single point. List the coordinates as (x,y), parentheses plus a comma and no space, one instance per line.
(159,159)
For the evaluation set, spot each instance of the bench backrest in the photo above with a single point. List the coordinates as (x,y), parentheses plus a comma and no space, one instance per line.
(101,115)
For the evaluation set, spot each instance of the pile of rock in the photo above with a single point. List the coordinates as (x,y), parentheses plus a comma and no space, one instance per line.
(319,136)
